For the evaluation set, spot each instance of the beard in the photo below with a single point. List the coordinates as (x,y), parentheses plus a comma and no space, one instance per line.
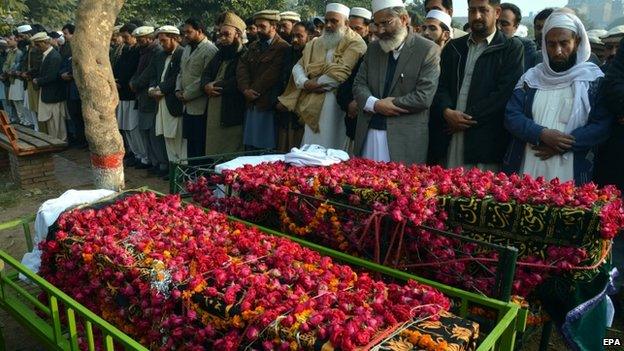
(263,36)
(391,41)
(479,28)
(562,66)
(229,51)
(332,39)
(252,37)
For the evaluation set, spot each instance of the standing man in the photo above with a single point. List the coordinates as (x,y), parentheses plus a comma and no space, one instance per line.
(287,22)
(74,104)
(557,114)
(31,61)
(12,60)
(437,27)
(168,124)
(252,31)
(68,34)
(359,20)
(394,89)
(259,73)
(52,89)
(538,25)
(444,6)
(116,45)
(508,23)
(197,54)
(326,63)
(479,73)
(226,104)
(612,41)
(127,114)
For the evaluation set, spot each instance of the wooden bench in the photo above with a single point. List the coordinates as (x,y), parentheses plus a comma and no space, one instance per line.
(29,154)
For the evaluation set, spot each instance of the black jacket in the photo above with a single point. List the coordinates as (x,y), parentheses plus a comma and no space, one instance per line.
(168,85)
(495,75)
(344,97)
(143,76)
(233,104)
(124,69)
(53,88)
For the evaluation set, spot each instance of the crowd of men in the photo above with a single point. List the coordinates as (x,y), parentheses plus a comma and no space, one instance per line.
(382,84)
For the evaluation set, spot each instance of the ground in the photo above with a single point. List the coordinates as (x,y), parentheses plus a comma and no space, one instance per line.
(72,172)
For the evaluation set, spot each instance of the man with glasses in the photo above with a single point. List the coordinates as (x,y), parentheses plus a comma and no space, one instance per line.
(394,89)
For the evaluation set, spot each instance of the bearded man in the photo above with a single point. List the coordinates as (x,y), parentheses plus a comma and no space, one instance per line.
(226,104)
(557,114)
(437,27)
(394,89)
(327,61)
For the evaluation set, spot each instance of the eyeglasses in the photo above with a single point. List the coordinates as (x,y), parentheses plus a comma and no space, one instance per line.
(385,24)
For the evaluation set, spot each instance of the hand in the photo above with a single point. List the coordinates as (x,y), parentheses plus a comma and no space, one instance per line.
(180,95)
(313,86)
(132,88)
(155,93)
(457,120)
(211,90)
(118,86)
(35,81)
(251,95)
(66,77)
(386,107)
(280,107)
(545,152)
(352,110)
(557,140)
(621,120)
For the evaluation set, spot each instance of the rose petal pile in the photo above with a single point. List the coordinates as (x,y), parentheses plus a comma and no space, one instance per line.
(409,194)
(176,277)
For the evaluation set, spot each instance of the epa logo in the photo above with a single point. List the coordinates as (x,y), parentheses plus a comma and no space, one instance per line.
(611,342)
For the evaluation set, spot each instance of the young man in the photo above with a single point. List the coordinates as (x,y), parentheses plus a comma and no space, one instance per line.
(444,6)
(359,20)
(287,22)
(508,23)
(437,27)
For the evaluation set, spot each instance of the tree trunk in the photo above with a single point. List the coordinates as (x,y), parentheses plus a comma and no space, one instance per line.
(94,77)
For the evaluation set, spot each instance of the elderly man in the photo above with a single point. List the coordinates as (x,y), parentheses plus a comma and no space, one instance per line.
(197,54)
(359,20)
(289,129)
(147,106)
(287,22)
(479,72)
(394,89)
(437,27)
(259,76)
(326,62)
(508,23)
(226,104)
(52,89)
(166,65)
(444,6)
(557,114)
(127,114)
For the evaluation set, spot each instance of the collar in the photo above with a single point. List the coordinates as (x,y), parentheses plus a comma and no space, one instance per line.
(45,53)
(488,39)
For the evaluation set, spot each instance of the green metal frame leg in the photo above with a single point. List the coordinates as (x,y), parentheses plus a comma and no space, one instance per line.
(545,339)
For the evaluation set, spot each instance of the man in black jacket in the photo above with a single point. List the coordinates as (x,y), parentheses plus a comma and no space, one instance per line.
(166,64)
(140,82)
(478,75)
(53,91)
(226,103)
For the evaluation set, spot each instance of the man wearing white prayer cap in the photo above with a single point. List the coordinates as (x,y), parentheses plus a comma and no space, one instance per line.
(447,7)
(394,89)
(327,62)
(359,20)
(556,113)
(437,27)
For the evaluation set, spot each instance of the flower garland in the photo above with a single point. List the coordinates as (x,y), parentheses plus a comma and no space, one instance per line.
(176,277)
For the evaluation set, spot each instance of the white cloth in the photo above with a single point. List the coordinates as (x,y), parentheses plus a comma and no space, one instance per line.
(314,155)
(166,124)
(127,115)
(542,77)
(376,146)
(137,144)
(551,109)
(332,130)
(47,214)
(248,160)
(379,5)
(16,90)
(338,8)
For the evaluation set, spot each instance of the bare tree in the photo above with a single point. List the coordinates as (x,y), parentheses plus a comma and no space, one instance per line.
(94,77)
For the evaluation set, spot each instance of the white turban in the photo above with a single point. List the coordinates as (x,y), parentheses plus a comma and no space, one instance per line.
(543,77)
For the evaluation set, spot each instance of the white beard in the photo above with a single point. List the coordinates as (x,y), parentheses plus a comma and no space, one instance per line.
(388,45)
(331,40)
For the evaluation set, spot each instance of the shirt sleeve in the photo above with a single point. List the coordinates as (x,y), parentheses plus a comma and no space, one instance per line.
(299,76)
(370,104)
(329,82)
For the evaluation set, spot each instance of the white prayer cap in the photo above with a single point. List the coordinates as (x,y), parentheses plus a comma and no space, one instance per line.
(597,32)
(522,31)
(117,28)
(290,16)
(379,5)
(168,30)
(143,31)
(563,20)
(440,16)
(361,12)
(24,28)
(338,8)
(614,34)
(593,39)
(3,42)
(41,36)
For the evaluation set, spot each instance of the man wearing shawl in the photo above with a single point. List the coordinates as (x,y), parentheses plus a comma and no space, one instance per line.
(327,62)
(557,114)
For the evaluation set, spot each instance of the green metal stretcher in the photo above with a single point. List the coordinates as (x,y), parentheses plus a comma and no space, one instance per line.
(45,322)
